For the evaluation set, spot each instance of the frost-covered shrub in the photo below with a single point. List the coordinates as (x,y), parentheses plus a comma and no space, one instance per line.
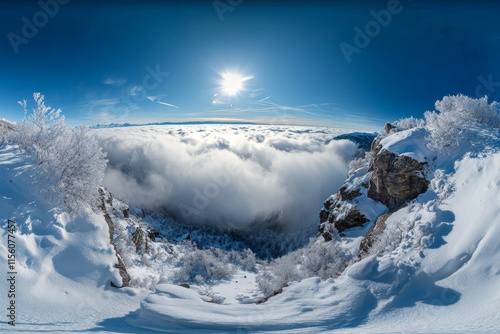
(6,129)
(40,130)
(449,125)
(70,162)
(268,283)
(409,123)
(203,266)
(244,260)
(324,260)
(358,163)
(317,259)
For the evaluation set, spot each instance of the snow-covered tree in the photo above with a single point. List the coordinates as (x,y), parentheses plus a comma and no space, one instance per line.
(409,123)
(70,162)
(448,125)
(38,130)
(6,128)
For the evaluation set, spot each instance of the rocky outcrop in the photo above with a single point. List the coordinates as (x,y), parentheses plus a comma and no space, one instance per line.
(395,179)
(343,210)
(340,211)
(372,235)
(140,240)
(385,184)
(120,265)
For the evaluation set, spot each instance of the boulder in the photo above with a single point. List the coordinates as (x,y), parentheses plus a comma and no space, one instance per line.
(140,240)
(395,179)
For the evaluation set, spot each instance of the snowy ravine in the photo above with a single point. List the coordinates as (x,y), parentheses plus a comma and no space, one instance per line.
(436,268)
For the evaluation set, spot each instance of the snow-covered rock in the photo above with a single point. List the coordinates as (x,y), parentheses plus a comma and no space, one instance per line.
(397,177)
(394,177)
(350,207)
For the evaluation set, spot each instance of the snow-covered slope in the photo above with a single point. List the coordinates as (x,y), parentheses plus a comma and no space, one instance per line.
(63,266)
(434,269)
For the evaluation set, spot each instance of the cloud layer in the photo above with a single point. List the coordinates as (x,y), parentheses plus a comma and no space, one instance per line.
(225,175)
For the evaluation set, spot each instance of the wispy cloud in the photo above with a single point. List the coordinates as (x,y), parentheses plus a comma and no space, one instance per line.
(168,104)
(266,111)
(116,82)
(135,90)
(157,99)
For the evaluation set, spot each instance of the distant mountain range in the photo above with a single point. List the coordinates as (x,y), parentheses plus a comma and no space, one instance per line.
(123,125)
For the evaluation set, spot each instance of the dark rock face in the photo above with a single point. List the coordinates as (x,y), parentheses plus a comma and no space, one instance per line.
(346,195)
(396,179)
(388,127)
(152,234)
(140,240)
(352,219)
(341,211)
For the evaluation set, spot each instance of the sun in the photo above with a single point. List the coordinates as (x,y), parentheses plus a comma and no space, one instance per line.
(233,83)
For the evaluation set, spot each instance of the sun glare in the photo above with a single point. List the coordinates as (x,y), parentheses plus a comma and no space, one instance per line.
(233,83)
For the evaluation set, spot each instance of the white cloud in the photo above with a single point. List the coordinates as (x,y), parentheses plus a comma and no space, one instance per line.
(158,98)
(135,90)
(168,104)
(225,175)
(117,82)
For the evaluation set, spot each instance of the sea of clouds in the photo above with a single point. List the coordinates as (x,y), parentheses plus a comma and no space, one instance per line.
(230,176)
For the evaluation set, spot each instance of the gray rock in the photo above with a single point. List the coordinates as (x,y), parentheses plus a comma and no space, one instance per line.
(140,240)
(341,211)
(388,127)
(396,179)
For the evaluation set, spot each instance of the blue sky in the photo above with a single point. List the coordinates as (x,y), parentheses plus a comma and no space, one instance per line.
(115,62)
